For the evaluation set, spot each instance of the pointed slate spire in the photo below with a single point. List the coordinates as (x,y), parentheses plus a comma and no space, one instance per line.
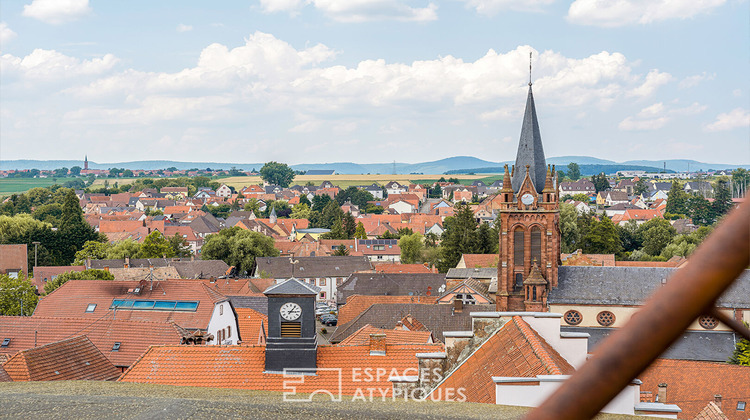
(530,150)
(272,216)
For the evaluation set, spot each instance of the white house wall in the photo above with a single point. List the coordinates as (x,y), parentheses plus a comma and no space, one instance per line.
(222,317)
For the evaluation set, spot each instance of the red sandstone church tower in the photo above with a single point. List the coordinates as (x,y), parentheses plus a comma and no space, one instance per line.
(530,229)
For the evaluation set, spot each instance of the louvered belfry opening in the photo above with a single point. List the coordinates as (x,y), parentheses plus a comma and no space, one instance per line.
(536,245)
(291,329)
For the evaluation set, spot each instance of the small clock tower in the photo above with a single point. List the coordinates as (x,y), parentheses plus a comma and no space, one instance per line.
(530,224)
(292,337)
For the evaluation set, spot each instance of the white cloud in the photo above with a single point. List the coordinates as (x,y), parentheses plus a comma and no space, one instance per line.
(694,80)
(6,34)
(357,10)
(492,7)
(613,13)
(735,118)
(654,79)
(184,28)
(51,65)
(269,73)
(57,11)
(656,116)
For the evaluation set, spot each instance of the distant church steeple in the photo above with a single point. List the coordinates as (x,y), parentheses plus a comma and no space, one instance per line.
(86,162)
(530,150)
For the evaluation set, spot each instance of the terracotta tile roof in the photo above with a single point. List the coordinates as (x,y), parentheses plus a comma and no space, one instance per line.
(253,326)
(480,260)
(362,336)
(134,337)
(45,274)
(72,359)
(390,284)
(356,304)
(411,324)
(711,412)
(72,298)
(580,259)
(13,257)
(401,268)
(4,377)
(243,367)
(515,350)
(691,385)
(646,264)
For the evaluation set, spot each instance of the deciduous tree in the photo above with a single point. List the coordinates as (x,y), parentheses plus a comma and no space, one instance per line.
(17,295)
(90,274)
(412,247)
(277,174)
(574,171)
(238,247)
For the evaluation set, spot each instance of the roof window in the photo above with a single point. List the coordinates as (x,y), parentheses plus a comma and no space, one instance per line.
(91,307)
(154,305)
(116,346)
(740,406)
(6,342)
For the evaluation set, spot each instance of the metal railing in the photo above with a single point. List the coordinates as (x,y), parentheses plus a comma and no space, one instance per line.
(691,292)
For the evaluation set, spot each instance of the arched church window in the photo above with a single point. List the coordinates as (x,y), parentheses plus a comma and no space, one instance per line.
(573,317)
(536,245)
(518,248)
(605,318)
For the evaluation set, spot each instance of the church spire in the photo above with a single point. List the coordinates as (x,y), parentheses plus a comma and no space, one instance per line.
(530,150)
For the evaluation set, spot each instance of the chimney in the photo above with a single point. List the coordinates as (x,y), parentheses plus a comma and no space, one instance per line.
(88,263)
(377,345)
(458,306)
(127,262)
(106,268)
(662,395)
(192,257)
(717,400)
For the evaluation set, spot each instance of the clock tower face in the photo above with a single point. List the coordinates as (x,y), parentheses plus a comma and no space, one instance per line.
(290,311)
(527,199)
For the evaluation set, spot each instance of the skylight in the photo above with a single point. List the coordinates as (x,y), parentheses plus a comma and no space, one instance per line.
(154,305)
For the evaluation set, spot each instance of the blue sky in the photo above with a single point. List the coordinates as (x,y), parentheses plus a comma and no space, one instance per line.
(312,81)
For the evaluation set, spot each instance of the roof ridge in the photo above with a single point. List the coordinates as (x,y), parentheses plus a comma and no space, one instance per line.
(537,345)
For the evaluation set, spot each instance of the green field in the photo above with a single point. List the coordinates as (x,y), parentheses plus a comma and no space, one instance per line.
(10,186)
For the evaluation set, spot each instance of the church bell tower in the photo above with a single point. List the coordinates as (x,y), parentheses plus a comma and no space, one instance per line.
(530,224)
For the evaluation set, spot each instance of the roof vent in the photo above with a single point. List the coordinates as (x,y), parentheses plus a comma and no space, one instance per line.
(6,342)
(116,346)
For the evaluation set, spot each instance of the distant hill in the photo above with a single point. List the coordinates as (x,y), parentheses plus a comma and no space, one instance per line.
(586,170)
(457,164)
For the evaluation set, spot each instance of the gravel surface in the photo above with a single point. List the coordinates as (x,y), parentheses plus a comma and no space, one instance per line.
(94,400)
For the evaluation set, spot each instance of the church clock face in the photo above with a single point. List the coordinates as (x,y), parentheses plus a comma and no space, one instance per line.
(290,311)
(527,199)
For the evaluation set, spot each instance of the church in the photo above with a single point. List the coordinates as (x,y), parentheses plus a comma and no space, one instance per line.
(529,217)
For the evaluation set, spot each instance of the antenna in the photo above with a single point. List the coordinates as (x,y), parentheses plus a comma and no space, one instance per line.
(529,68)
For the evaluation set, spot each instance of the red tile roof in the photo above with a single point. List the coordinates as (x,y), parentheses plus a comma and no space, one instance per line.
(72,359)
(401,268)
(480,260)
(72,298)
(362,336)
(45,274)
(515,350)
(253,326)
(356,304)
(243,367)
(691,385)
(134,337)
(4,377)
(711,412)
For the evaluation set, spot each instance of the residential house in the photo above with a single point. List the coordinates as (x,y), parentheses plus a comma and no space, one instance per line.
(478,261)
(374,189)
(13,260)
(393,187)
(703,188)
(391,284)
(486,275)
(582,186)
(43,274)
(223,191)
(327,273)
(378,250)
(356,304)
(615,197)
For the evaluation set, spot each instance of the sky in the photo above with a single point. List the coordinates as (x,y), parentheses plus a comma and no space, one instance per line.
(316,81)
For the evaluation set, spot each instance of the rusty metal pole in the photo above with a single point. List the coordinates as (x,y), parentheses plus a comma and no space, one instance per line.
(690,292)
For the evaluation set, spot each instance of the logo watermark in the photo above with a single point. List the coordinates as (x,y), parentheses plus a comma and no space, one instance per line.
(368,384)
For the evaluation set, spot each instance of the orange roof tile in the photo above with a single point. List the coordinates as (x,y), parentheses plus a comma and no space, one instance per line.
(134,337)
(4,375)
(72,298)
(253,326)
(515,350)
(72,359)
(480,260)
(362,336)
(711,412)
(350,367)
(691,385)
(356,304)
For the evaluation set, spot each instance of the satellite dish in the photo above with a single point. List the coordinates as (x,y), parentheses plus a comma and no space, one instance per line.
(411,293)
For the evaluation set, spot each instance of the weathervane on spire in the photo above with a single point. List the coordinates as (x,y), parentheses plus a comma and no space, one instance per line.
(529,68)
